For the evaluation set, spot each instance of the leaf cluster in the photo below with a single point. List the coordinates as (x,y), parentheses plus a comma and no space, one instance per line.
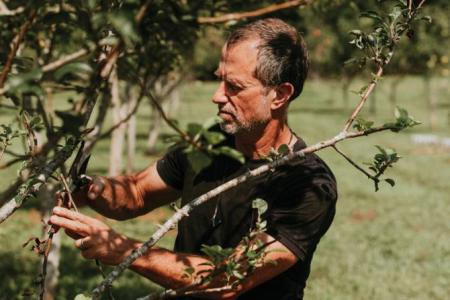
(234,264)
(378,45)
(403,120)
(203,143)
(382,160)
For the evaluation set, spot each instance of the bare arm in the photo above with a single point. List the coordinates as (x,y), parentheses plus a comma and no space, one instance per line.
(97,240)
(124,197)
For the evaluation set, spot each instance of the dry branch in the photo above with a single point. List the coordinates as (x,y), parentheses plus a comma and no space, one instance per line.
(254,13)
(15,43)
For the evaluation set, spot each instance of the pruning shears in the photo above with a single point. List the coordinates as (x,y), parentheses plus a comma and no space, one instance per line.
(77,172)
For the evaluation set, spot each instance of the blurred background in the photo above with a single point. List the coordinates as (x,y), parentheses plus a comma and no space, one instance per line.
(389,244)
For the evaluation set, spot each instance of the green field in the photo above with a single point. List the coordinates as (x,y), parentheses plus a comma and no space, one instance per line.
(390,244)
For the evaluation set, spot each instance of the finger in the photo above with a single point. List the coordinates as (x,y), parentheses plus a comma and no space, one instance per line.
(75,226)
(72,215)
(83,243)
(73,234)
(96,188)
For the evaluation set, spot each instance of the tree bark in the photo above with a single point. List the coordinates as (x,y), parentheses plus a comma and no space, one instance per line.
(118,135)
(131,131)
(51,279)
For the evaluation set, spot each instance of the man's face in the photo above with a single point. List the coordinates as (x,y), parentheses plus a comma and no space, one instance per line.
(243,102)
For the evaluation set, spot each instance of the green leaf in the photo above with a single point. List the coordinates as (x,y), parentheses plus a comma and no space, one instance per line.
(213,137)
(371,15)
(74,70)
(26,82)
(362,125)
(193,129)
(123,22)
(82,297)
(260,205)
(198,160)
(427,19)
(231,152)
(284,149)
(390,181)
(356,32)
(211,122)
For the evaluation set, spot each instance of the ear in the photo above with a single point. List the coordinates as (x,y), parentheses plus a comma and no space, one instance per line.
(283,92)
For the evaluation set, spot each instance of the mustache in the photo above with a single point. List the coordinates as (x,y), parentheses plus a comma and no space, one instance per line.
(227,110)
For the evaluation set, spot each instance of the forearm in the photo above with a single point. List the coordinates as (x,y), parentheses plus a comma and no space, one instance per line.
(120,198)
(167,268)
(124,197)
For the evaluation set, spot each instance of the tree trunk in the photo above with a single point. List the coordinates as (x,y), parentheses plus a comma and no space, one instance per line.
(118,135)
(174,101)
(99,121)
(131,131)
(155,129)
(51,279)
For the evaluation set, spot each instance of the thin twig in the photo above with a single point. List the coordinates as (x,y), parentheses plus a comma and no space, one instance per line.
(68,192)
(363,99)
(353,163)
(15,43)
(254,13)
(189,290)
(65,60)
(169,122)
(12,161)
(141,13)
(108,132)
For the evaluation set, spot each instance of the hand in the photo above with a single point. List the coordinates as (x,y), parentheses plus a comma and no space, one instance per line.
(96,187)
(95,239)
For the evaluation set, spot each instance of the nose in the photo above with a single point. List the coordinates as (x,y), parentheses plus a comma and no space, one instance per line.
(220,96)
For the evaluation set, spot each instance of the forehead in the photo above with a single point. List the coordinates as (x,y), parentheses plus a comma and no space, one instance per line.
(239,59)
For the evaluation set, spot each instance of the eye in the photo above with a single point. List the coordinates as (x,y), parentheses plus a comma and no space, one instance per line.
(232,88)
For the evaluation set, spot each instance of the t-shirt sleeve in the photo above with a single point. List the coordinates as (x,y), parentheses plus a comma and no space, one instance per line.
(172,167)
(302,214)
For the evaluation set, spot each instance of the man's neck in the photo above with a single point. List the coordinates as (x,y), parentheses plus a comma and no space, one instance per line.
(257,144)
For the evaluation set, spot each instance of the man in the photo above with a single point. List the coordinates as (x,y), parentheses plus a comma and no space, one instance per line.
(262,68)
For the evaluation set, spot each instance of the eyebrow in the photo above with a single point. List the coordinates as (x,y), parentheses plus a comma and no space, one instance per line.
(229,79)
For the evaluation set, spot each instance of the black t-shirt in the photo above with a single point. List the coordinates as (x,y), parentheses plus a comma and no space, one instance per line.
(301,199)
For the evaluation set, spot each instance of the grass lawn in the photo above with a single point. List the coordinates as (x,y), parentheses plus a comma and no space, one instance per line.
(390,244)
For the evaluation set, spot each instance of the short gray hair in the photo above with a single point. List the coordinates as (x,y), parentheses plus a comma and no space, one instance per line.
(282,55)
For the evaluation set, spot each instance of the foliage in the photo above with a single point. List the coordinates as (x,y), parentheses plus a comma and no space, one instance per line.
(114,39)
(234,264)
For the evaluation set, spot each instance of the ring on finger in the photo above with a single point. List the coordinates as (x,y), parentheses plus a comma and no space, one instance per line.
(83,246)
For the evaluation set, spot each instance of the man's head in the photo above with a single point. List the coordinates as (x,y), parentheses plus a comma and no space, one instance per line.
(263,67)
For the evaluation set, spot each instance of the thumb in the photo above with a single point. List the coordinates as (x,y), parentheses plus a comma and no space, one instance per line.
(96,188)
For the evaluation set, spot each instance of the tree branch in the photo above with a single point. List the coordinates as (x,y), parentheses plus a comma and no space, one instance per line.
(65,60)
(108,132)
(15,43)
(353,163)
(185,210)
(254,13)
(5,11)
(169,122)
(363,99)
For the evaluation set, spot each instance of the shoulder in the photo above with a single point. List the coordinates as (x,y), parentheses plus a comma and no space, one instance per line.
(307,175)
